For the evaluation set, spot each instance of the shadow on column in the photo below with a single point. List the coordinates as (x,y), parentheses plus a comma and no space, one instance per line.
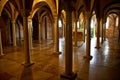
(27,74)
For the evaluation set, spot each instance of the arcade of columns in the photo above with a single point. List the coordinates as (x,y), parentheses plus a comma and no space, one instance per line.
(27,22)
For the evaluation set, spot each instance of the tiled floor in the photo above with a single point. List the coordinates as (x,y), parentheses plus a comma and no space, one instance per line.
(105,64)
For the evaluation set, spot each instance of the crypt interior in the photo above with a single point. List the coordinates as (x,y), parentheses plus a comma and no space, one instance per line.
(59,39)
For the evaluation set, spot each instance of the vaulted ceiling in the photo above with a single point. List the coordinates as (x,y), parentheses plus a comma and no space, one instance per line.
(101,7)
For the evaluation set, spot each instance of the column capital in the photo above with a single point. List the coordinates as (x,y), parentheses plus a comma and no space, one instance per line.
(25,12)
(104,20)
(13,20)
(55,17)
(87,15)
(29,19)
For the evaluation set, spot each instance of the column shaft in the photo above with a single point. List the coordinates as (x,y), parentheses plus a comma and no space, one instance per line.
(75,33)
(84,32)
(88,38)
(1,49)
(14,33)
(102,31)
(46,28)
(26,40)
(40,32)
(119,29)
(30,32)
(56,34)
(98,34)
(68,44)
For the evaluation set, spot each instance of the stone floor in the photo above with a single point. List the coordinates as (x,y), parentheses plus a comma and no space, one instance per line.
(105,64)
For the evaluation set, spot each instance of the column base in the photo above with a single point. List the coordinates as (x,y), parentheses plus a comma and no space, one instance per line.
(27,64)
(69,77)
(87,57)
(2,54)
(97,47)
(58,53)
(102,42)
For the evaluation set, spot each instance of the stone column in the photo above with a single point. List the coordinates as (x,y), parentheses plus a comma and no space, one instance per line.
(114,25)
(119,28)
(68,46)
(75,33)
(1,49)
(25,15)
(30,32)
(84,31)
(39,32)
(56,35)
(104,26)
(102,39)
(98,34)
(13,33)
(88,38)
(45,19)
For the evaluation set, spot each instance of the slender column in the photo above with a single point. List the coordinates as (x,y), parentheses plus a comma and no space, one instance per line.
(64,28)
(68,47)
(45,28)
(98,35)
(13,33)
(119,28)
(56,35)
(114,25)
(30,32)
(102,31)
(84,31)
(1,49)
(26,38)
(88,38)
(75,33)
(40,32)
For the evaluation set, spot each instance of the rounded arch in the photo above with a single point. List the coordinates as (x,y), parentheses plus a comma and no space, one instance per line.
(2,4)
(111,8)
(40,5)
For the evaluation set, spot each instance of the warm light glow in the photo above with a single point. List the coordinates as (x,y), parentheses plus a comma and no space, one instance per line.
(78,24)
(60,23)
(107,23)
